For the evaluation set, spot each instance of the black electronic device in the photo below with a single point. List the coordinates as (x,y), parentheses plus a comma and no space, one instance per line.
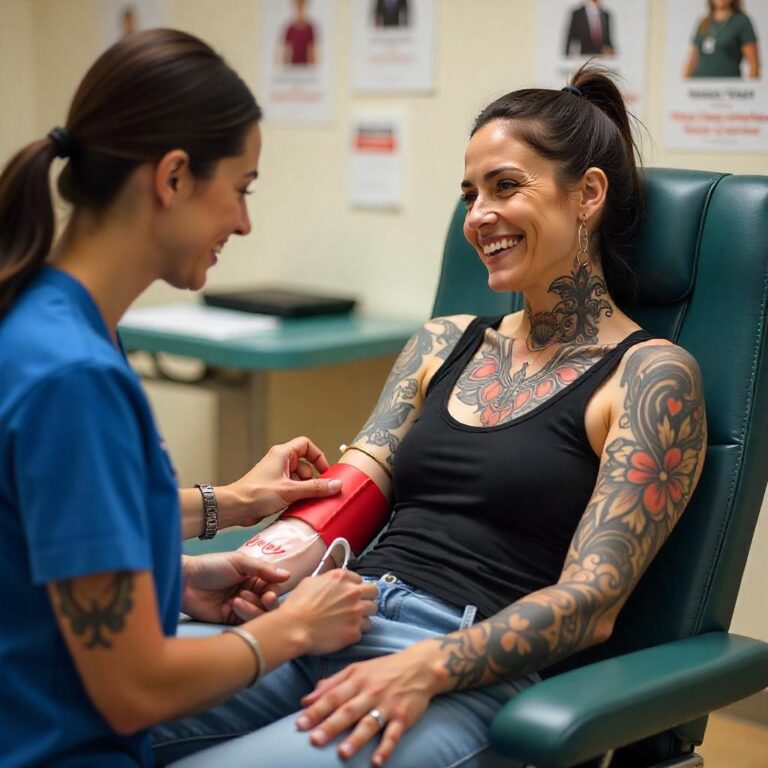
(283,302)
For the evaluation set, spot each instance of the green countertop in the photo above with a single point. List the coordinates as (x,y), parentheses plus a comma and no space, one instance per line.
(296,343)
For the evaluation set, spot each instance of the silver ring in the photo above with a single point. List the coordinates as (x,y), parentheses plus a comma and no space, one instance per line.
(377,716)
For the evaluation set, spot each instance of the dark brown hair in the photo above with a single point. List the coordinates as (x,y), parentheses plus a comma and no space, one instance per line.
(707,21)
(578,132)
(148,94)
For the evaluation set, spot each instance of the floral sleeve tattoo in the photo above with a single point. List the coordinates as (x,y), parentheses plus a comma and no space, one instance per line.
(646,479)
(385,426)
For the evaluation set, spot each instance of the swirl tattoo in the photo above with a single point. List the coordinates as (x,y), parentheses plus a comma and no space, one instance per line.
(401,390)
(643,486)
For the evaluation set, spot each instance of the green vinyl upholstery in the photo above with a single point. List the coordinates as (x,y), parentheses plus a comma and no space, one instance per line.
(701,263)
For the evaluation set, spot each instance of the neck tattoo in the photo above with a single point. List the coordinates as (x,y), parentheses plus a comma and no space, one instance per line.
(575,317)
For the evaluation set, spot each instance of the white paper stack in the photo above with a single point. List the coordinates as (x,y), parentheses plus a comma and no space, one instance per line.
(198,320)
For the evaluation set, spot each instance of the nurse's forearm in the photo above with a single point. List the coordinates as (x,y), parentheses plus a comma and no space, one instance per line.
(230,510)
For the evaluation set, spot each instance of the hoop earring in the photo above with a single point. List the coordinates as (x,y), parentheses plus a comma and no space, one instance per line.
(583,248)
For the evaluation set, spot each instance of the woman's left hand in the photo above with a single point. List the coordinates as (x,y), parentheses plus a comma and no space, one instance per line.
(398,687)
(224,587)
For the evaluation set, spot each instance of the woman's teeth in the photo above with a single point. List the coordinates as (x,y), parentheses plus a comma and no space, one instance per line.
(500,245)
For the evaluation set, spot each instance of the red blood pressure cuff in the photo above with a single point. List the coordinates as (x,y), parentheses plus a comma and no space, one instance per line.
(356,514)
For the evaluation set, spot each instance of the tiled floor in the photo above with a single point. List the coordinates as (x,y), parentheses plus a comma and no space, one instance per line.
(733,743)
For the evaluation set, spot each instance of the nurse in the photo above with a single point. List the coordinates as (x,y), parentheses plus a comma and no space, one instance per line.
(161,147)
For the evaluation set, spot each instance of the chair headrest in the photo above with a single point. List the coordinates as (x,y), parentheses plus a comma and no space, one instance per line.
(675,201)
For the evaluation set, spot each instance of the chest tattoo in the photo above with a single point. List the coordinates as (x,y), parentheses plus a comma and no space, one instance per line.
(498,394)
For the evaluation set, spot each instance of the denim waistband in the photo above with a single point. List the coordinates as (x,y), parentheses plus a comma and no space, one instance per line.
(390,581)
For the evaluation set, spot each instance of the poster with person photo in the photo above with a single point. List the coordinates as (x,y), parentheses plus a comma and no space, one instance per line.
(297,60)
(124,17)
(393,45)
(717,90)
(612,32)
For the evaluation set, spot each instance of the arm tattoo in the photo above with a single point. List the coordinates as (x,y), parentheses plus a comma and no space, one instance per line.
(647,477)
(401,389)
(574,319)
(95,613)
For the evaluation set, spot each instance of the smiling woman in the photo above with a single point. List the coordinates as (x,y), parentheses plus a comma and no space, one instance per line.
(160,145)
(538,462)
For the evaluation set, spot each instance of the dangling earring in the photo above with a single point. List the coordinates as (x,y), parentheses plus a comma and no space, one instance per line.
(583,247)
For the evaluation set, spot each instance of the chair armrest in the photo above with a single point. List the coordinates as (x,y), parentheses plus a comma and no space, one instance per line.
(586,712)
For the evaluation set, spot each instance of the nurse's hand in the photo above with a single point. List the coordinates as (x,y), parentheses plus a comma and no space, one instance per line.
(217,585)
(284,475)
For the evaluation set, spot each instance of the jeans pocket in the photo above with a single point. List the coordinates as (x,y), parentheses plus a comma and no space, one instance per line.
(424,610)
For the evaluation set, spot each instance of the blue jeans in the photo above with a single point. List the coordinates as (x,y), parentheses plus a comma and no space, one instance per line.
(257,726)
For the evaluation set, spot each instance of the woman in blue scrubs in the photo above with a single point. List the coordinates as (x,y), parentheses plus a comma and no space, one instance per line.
(161,145)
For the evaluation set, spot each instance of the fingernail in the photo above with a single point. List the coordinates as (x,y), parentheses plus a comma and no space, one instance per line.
(318,737)
(302,723)
(334,485)
(282,572)
(345,749)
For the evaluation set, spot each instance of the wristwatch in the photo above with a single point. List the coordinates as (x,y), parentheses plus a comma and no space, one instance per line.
(210,511)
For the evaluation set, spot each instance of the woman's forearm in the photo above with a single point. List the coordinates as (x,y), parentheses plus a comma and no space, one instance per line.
(691,63)
(527,636)
(751,54)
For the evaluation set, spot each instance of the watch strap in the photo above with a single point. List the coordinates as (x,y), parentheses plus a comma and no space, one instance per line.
(210,511)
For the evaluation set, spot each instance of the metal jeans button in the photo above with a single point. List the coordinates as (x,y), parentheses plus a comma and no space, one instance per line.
(389,578)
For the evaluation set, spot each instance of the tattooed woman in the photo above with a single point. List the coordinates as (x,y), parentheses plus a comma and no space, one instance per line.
(162,141)
(538,462)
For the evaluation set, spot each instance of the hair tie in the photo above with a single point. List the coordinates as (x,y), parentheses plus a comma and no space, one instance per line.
(573,89)
(62,138)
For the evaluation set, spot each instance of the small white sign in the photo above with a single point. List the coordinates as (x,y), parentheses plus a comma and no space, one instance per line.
(198,321)
(614,32)
(393,45)
(296,61)
(713,99)
(376,161)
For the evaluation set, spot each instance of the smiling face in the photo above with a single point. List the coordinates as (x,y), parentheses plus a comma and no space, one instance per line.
(206,212)
(522,224)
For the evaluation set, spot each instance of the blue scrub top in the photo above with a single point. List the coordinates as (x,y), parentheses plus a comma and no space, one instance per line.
(85,487)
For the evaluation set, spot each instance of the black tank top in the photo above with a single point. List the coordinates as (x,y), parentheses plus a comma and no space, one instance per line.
(484,515)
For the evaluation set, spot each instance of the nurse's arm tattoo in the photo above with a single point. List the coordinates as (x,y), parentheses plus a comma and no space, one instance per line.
(402,395)
(95,613)
(648,472)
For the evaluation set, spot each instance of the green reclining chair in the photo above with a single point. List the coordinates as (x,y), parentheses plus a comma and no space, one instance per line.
(642,698)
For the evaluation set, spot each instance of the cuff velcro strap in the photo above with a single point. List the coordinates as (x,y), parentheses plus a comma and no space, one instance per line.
(357,513)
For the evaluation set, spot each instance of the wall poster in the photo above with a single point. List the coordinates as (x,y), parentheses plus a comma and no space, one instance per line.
(717,88)
(376,161)
(297,61)
(614,32)
(393,45)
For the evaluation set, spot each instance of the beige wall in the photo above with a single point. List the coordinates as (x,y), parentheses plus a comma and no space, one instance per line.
(303,229)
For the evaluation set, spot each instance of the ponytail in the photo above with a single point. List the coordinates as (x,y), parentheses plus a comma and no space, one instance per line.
(26,218)
(624,200)
(148,94)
